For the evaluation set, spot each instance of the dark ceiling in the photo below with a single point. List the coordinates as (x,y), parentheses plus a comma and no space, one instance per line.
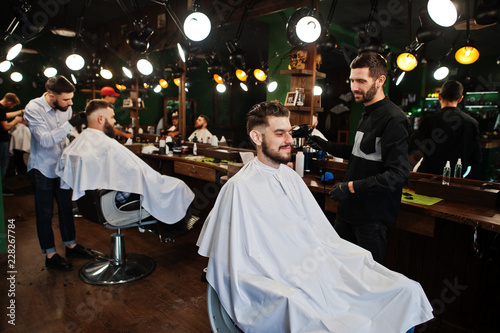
(389,23)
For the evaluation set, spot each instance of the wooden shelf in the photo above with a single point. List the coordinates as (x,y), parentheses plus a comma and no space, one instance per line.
(302,72)
(304,108)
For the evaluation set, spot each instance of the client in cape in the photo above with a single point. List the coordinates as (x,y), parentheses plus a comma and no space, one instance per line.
(94,160)
(278,265)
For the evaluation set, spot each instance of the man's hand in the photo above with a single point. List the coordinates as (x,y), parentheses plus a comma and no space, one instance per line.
(340,192)
(78,119)
(318,143)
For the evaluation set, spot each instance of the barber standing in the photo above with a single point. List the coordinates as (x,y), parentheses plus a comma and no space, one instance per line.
(370,194)
(50,121)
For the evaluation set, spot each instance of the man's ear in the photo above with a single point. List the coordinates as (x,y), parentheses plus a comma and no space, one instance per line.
(460,99)
(381,80)
(256,137)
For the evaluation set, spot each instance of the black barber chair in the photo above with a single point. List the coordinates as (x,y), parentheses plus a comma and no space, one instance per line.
(100,206)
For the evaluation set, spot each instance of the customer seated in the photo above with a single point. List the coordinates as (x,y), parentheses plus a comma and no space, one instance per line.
(278,265)
(96,161)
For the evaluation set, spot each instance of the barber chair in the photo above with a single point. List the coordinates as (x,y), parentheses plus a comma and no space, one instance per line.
(99,206)
(219,319)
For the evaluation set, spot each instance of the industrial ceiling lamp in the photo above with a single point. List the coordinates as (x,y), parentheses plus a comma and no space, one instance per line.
(218,79)
(197,25)
(467,54)
(106,73)
(16,77)
(221,88)
(272,86)
(303,26)
(182,53)
(50,72)
(243,86)
(428,30)
(5,66)
(407,61)
(127,72)
(260,74)
(441,73)
(14,51)
(163,83)
(241,75)
(443,12)
(75,62)
(144,67)
(400,78)
(73,78)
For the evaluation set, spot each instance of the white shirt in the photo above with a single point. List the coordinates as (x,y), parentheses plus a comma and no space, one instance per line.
(278,265)
(95,161)
(49,129)
(201,134)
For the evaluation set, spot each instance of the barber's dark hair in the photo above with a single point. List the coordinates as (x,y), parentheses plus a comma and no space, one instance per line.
(259,113)
(96,104)
(376,64)
(59,84)
(451,90)
(11,97)
(205,117)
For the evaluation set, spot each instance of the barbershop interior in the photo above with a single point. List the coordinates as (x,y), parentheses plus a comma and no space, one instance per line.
(179,78)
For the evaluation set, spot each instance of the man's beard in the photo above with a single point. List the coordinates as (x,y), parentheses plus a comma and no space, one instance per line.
(60,108)
(274,155)
(369,95)
(109,129)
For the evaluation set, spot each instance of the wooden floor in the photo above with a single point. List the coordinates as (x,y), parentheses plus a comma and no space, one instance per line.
(171,299)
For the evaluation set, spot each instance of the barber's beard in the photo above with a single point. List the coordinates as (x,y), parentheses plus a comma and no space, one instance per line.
(369,94)
(59,107)
(109,129)
(282,157)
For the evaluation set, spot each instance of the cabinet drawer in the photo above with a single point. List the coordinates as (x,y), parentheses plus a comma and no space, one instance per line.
(195,171)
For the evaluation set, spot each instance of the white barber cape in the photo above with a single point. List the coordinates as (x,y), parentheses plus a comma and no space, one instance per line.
(279,266)
(95,161)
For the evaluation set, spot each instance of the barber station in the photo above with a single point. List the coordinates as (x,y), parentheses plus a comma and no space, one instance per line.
(250,166)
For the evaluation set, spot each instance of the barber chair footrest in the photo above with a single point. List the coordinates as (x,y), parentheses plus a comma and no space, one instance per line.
(102,271)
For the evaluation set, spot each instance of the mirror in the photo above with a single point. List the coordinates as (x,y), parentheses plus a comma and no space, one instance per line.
(171,105)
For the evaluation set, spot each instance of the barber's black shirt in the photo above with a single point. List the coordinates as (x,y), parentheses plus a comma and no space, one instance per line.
(4,135)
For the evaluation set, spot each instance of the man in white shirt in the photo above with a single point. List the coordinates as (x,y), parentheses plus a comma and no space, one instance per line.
(50,120)
(278,265)
(315,131)
(201,133)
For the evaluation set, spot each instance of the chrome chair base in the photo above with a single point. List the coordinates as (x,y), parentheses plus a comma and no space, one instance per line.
(103,271)
(219,319)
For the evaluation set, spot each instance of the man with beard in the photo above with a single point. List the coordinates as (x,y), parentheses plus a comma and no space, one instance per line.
(275,261)
(91,162)
(369,195)
(201,133)
(50,121)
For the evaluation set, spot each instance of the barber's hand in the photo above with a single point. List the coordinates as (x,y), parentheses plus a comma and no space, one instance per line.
(78,119)
(318,143)
(340,192)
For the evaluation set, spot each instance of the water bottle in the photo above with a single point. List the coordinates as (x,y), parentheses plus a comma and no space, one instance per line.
(195,149)
(446,173)
(299,163)
(458,169)
(162,145)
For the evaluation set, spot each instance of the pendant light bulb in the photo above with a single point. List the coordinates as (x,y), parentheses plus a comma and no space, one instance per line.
(407,61)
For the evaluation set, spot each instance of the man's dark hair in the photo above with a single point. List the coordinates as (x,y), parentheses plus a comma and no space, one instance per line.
(451,90)
(59,84)
(96,104)
(11,97)
(258,114)
(376,64)
(205,117)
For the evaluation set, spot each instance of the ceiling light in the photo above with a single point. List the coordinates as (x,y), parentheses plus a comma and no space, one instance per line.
(218,79)
(50,72)
(106,74)
(64,32)
(317,91)
(144,67)
(407,61)
(260,74)
(145,85)
(138,40)
(177,81)
(127,72)
(197,26)
(271,87)
(16,77)
(308,29)
(467,55)
(221,88)
(400,78)
(443,12)
(14,51)
(163,83)
(5,66)
(243,86)
(241,75)
(157,89)
(75,62)
(182,54)
(441,73)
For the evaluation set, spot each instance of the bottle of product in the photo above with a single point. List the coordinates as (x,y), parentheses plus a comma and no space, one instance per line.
(458,169)
(162,145)
(195,149)
(299,163)
(446,173)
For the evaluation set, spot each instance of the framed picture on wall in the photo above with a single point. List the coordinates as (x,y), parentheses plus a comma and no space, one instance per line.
(291,98)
